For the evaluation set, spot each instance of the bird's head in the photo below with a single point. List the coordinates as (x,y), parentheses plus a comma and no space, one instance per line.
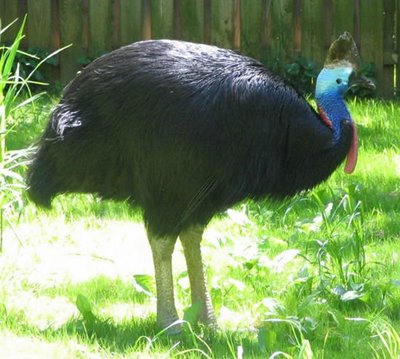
(340,72)
(334,81)
(337,80)
(339,75)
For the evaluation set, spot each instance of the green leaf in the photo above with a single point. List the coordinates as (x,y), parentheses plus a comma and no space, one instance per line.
(192,313)
(267,338)
(85,308)
(305,350)
(217,298)
(144,283)
(396,282)
(339,290)
(350,295)
(293,69)
(12,52)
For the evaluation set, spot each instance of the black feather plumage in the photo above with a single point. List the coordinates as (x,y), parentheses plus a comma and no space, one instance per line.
(184,131)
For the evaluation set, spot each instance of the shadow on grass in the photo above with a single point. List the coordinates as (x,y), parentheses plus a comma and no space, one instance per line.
(143,336)
(130,335)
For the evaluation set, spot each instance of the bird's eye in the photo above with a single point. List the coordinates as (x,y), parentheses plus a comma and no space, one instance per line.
(338,81)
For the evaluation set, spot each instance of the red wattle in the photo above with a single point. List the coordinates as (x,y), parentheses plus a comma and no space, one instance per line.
(353,152)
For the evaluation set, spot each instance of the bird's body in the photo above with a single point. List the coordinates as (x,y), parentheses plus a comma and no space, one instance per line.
(184,131)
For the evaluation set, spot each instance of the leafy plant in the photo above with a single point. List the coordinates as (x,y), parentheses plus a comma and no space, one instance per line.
(389,338)
(13,81)
(339,270)
(28,63)
(85,308)
(293,330)
(301,73)
(367,70)
(10,85)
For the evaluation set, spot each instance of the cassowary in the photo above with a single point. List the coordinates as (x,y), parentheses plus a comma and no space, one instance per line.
(184,131)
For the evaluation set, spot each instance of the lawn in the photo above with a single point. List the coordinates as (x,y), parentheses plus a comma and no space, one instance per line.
(313,276)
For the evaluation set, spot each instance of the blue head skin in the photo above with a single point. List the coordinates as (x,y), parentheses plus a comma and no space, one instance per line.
(331,85)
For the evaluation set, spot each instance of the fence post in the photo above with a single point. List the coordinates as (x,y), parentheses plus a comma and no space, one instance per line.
(146,19)
(389,7)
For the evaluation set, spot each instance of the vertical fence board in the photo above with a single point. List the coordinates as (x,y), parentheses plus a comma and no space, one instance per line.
(313,41)
(282,33)
(8,13)
(372,36)
(131,21)
(71,33)
(397,84)
(55,25)
(236,24)
(99,27)
(116,24)
(146,19)
(85,28)
(2,12)
(297,22)
(265,29)
(39,24)
(192,14)
(222,22)
(251,25)
(207,21)
(357,21)
(177,19)
(162,19)
(342,17)
(388,48)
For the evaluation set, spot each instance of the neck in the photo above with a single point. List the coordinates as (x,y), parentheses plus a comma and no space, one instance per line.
(329,95)
(333,110)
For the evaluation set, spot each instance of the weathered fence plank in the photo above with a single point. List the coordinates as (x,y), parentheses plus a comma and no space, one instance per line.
(270,30)
(115,24)
(282,29)
(162,19)
(131,21)
(389,7)
(99,27)
(70,33)
(8,13)
(342,17)
(146,19)
(265,30)
(371,46)
(313,34)
(397,55)
(222,23)
(192,24)
(39,24)
(251,23)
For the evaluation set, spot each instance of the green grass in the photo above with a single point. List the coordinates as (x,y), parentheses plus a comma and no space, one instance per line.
(316,275)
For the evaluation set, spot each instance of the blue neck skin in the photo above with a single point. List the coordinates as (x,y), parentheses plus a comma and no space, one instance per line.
(331,85)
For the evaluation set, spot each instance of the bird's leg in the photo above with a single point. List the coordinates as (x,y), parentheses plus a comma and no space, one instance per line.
(191,239)
(162,248)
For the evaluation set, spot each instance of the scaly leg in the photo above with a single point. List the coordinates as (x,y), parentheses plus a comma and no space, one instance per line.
(191,239)
(162,248)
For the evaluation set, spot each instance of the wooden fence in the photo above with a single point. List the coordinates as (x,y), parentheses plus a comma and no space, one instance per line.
(264,29)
